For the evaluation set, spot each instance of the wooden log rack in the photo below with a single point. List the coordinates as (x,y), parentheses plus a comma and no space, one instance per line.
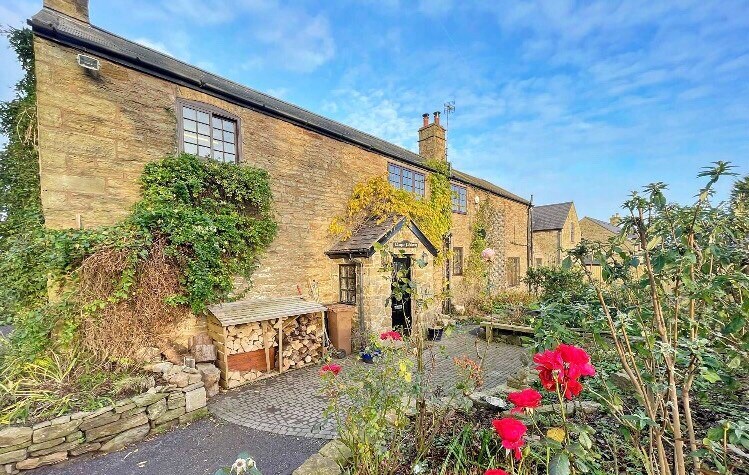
(271,314)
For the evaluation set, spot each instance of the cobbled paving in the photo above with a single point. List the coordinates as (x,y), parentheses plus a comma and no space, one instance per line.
(291,403)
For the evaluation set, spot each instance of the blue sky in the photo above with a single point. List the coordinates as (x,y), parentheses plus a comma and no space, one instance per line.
(579,101)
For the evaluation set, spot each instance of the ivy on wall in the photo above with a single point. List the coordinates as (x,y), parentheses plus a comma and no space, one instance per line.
(376,197)
(21,221)
(116,288)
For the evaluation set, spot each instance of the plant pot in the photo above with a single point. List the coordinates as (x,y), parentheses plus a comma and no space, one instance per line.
(369,357)
(434,334)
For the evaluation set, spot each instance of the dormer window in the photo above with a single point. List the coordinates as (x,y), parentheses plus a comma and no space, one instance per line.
(209,132)
(406,179)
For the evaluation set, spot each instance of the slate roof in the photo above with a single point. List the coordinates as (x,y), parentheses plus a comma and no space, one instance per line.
(83,36)
(606,225)
(550,217)
(375,230)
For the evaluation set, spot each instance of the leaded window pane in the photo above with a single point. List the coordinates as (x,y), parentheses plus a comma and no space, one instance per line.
(208,135)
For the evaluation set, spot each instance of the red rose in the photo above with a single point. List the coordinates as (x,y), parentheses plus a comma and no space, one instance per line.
(525,399)
(391,335)
(495,471)
(511,431)
(563,367)
(331,368)
(577,361)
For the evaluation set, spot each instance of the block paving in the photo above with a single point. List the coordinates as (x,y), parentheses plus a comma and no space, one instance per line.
(292,404)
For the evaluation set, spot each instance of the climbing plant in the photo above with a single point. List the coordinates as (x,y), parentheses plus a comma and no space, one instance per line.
(22,266)
(116,288)
(376,197)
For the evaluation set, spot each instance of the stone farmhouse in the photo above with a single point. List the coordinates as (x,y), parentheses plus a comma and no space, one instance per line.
(107,106)
(555,229)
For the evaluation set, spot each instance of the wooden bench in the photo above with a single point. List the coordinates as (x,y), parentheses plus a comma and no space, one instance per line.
(491,326)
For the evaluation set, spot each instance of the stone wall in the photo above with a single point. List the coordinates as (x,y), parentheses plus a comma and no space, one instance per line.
(507,234)
(98,130)
(593,231)
(546,247)
(112,427)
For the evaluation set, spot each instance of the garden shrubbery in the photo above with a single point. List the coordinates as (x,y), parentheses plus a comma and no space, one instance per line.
(83,302)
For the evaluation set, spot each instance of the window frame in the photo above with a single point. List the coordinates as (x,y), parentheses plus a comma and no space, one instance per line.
(458,251)
(461,209)
(346,278)
(211,110)
(414,173)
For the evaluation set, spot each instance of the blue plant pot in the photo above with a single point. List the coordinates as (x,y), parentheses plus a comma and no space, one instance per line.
(369,357)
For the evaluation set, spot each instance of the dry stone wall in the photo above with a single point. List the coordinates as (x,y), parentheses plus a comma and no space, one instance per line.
(112,427)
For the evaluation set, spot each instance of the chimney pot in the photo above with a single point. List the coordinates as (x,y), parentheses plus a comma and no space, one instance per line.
(426,119)
(437,118)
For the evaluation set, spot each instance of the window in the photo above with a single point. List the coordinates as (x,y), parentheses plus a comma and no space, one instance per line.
(206,132)
(347,281)
(406,179)
(539,262)
(457,261)
(572,232)
(460,198)
(513,271)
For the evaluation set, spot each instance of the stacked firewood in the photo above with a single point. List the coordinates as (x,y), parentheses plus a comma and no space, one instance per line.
(238,378)
(249,336)
(302,341)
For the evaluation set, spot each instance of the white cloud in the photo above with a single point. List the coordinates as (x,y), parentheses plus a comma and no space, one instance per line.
(282,36)
(375,112)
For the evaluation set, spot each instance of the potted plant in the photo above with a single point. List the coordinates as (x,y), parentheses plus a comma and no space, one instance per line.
(436,330)
(369,353)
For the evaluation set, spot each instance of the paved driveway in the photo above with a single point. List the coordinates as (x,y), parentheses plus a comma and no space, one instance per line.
(198,449)
(291,404)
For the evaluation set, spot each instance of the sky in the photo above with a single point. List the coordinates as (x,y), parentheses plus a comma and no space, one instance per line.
(558,100)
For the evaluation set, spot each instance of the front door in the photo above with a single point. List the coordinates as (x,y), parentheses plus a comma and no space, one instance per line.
(401,301)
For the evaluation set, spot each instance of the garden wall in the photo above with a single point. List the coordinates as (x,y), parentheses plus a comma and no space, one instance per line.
(107,429)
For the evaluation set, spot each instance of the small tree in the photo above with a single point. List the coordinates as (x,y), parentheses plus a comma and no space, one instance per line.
(677,315)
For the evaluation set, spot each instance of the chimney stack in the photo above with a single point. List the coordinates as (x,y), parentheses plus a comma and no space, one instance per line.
(432,139)
(77,9)
(615,220)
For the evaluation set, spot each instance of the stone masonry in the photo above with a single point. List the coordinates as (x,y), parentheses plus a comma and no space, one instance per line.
(97,130)
(105,430)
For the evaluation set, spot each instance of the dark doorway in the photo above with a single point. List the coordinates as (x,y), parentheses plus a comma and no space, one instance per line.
(401,308)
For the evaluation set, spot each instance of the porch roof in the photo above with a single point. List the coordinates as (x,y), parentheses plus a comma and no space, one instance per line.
(257,310)
(374,230)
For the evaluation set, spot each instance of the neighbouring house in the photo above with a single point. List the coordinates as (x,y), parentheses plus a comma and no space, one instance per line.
(600,231)
(107,106)
(555,230)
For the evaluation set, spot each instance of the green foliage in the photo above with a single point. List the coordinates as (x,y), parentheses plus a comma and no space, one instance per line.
(375,425)
(23,276)
(377,198)
(215,218)
(559,284)
(672,312)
